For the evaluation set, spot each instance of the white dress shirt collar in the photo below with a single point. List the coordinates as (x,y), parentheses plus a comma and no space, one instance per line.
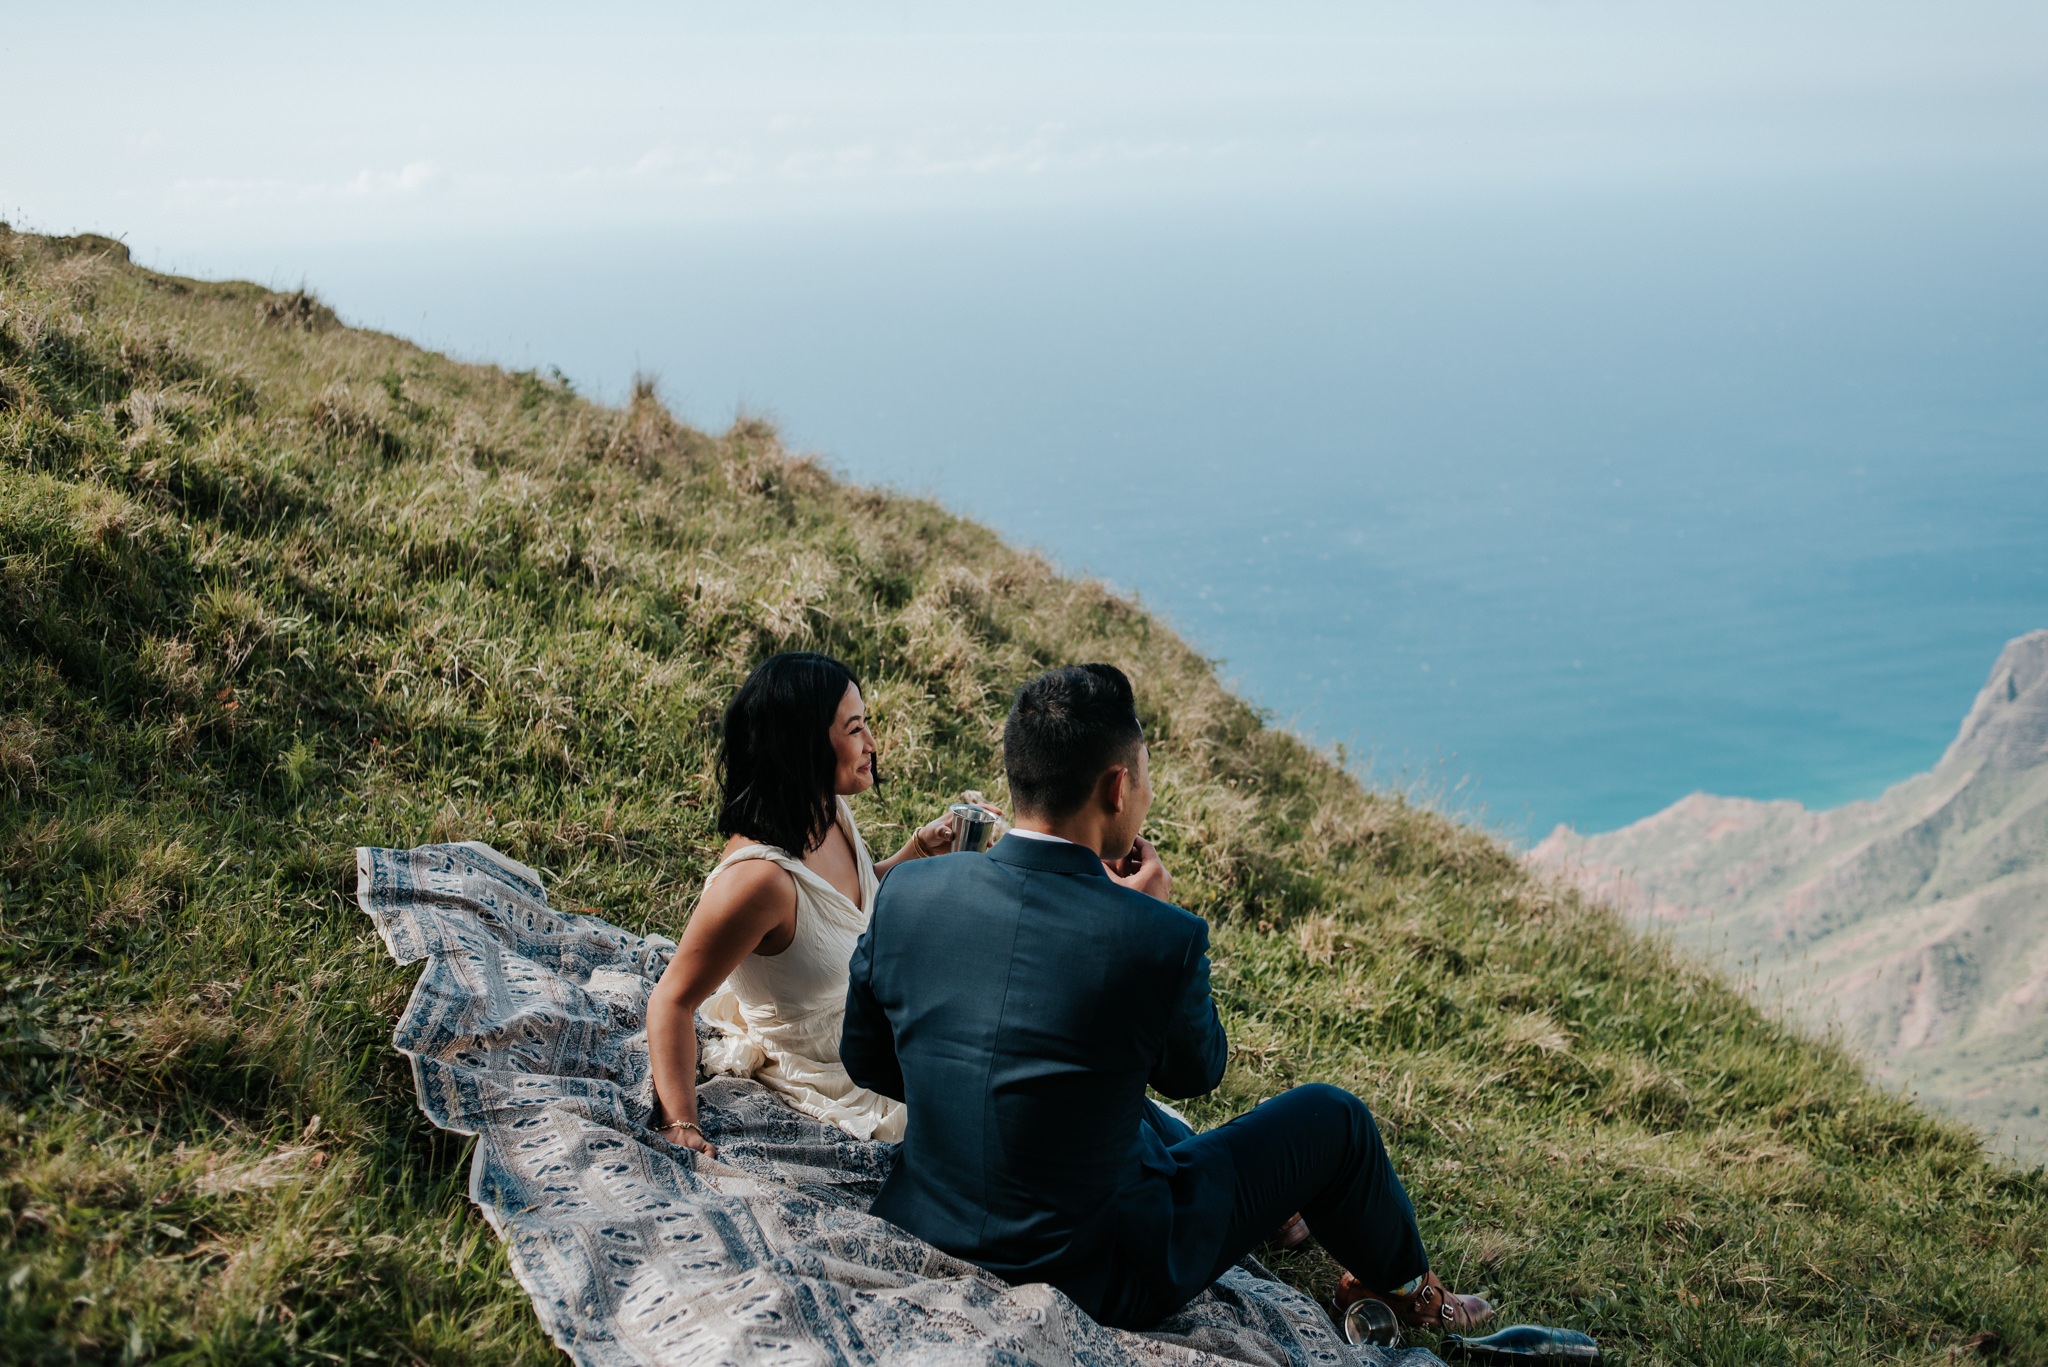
(1039,835)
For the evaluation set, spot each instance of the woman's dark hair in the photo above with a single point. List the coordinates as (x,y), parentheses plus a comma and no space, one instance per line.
(1065,728)
(775,760)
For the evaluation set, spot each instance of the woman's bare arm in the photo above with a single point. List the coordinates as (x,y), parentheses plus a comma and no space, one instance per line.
(934,837)
(750,908)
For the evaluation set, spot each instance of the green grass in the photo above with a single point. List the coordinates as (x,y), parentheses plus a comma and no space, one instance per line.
(271,588)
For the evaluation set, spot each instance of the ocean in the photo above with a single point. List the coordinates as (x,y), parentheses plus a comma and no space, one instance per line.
(1550,504)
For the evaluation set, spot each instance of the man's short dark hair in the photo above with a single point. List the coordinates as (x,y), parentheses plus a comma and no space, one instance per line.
(1066,727)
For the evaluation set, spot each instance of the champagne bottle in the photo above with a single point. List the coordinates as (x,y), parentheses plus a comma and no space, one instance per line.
(1525,1344)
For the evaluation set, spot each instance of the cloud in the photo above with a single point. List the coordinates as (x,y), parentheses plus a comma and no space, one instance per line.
(409,179)
(929,152)
(222,192)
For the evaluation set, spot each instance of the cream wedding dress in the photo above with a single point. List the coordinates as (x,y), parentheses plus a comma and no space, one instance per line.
(776,1019)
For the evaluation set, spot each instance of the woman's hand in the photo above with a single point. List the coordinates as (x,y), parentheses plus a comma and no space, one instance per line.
(933,838)
(686,1135)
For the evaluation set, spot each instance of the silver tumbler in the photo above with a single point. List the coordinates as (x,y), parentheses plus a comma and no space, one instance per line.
(972,826)
(1373,1322)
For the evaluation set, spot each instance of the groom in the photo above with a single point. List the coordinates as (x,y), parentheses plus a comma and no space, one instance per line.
(1021,1001)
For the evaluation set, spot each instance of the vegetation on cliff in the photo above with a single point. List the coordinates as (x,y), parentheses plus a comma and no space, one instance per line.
(271,588)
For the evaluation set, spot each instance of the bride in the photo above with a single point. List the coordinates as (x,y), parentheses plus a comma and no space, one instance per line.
(764,955)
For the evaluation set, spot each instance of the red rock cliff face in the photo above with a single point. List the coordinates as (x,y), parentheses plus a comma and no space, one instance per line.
(1917,923)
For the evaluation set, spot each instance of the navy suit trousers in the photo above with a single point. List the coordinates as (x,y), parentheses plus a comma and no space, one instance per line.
(1313,1149)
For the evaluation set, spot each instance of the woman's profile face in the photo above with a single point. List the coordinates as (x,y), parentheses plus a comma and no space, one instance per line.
(853,745)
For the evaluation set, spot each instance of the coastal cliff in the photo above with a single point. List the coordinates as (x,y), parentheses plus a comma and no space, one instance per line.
(1916,923)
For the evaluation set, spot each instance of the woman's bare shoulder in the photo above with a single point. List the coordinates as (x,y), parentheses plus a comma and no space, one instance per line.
(752,886)
(749,908)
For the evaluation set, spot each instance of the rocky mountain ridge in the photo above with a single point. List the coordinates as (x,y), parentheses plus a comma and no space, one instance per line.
(1916,923)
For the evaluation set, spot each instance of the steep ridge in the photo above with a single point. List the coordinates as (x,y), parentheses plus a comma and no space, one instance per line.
(1915,922)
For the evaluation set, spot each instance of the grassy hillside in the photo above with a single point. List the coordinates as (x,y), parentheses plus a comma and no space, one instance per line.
(271,588)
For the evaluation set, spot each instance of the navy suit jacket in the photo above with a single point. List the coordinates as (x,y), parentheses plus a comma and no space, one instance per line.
(1020,1001)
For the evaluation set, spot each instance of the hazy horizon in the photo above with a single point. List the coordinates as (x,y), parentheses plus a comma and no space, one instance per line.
(254,132)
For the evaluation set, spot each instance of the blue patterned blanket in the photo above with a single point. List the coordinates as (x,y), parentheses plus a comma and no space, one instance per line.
(526,1030)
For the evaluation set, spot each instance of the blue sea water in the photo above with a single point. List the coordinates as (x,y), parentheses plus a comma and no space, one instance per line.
(1553,504)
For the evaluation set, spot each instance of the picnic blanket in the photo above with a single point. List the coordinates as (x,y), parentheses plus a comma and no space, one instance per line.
(527,1030)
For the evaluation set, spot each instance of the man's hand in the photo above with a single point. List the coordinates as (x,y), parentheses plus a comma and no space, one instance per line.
(1141,871)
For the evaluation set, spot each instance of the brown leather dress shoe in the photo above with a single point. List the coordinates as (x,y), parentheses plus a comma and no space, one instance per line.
(1430,1306)
(1292,1234)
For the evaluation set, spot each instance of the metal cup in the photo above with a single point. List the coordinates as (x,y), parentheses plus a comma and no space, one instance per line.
(972,827)
(1371,1321)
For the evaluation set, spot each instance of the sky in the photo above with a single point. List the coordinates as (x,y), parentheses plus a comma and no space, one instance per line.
(237,139)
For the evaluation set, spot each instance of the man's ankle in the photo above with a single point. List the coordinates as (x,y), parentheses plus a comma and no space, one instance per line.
(1350,1288)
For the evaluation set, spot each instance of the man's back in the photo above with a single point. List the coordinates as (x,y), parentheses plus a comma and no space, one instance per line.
(1020,1002)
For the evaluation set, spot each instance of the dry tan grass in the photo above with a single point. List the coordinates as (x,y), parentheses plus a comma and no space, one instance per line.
(339,412)
(1535,1032)
(23,746)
